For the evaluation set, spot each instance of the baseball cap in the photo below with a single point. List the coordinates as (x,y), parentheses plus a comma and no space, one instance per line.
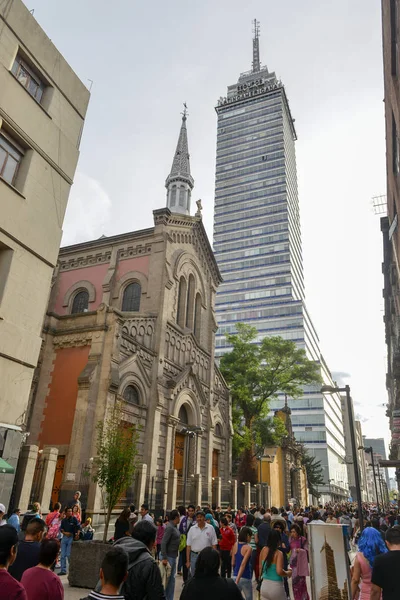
(2,508)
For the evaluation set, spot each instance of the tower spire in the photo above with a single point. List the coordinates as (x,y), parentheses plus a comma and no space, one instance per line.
(179,182)
(256,46)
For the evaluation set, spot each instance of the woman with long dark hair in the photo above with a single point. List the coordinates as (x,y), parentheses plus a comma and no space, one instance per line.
(370,545)
(122,524)
(271,569)
(241,563)
(206,582)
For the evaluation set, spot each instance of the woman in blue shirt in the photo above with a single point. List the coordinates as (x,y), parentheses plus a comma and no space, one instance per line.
(241,563)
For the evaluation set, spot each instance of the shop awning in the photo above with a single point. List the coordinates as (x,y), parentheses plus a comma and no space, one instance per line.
(5,467)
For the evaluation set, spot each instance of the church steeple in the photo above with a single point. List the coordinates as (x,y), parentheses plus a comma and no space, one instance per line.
(179,182)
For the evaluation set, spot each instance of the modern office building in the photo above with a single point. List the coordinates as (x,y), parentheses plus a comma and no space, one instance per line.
(42,111)
(379,449)
(257,244)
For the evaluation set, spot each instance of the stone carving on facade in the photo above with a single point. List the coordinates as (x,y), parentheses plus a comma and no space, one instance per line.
(72,340)
(181,349)
(188,380)
(140,330)
(129,251)
(85,261)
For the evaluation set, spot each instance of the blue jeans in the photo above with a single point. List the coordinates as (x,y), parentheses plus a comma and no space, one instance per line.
(245,586)
(66,543)
(193,560)
(170,589)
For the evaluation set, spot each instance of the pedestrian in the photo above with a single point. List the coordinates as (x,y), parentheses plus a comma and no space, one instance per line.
(211,521)
(2,515)
(385,572)
(275,516)
(40,582)
(226,543)
(250,524)
(160,533)
(271,569)
(263,531)
(87,531)
(200,536)
(122,524)
(299,563)
(28,549)
(206,582)
(76,512)
(76,501)
(14,519)
(144,512)
(133,517)
(37,511)
(11,589)
(113,573)
(231,523)
(53,522)
(240,519)
(170,551)
(285,549)
(144,578)
(184,527)
(370,545)
(241,563)
(69,529)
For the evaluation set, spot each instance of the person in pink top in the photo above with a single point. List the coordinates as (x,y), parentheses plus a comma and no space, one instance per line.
(40,582)
(10,588)
(160,534)
(370,545)
(299,563)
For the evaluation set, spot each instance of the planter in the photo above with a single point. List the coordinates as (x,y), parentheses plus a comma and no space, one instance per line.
(85,562)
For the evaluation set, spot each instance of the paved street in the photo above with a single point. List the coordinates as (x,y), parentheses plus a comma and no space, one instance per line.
(78,593)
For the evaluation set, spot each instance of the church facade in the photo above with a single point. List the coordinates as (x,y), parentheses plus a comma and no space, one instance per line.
(131,318)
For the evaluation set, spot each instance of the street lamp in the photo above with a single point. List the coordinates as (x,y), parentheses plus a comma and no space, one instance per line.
(330,389)
(370,450)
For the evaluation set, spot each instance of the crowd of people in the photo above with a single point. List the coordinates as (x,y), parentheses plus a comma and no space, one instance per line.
(224,554)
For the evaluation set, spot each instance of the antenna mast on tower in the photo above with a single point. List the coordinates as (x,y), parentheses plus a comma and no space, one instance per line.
(256,46)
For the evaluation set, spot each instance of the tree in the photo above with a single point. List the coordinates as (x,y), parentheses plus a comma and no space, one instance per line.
(256,373)
(315,473)
(115,463)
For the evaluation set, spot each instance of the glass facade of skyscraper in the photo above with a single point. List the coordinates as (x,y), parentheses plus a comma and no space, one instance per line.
(257,244)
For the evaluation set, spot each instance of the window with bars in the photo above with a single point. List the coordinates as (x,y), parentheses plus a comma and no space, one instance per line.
(10,159)
(80,303)
(28,78)
(131,297)
(131,394)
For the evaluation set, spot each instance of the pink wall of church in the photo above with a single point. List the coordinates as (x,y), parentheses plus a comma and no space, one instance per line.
(95,275)
(139,263)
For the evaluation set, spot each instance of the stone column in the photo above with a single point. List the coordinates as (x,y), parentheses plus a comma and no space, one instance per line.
(247,493)
(197,488)
(26,471)
(234,494)
(49,468)
(140,485)
(172,486)
(259,494)
(169,451)
(217,489)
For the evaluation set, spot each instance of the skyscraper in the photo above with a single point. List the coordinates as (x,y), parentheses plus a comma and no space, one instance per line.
(257,244)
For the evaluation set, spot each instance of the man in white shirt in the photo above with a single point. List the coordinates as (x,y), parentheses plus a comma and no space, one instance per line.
(144,512)
(200,536)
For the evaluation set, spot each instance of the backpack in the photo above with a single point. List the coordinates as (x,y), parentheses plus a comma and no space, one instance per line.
(54,529)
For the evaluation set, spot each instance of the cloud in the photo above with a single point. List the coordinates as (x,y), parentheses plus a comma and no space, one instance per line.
(88,211)
(340,377)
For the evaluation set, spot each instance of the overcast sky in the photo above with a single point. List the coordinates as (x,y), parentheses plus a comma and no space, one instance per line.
(146,58)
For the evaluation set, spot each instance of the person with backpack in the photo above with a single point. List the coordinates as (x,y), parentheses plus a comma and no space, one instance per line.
(53,522)
(144,578)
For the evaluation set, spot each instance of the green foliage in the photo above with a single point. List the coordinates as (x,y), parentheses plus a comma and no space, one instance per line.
(256,373)
(116,458)
(314,471)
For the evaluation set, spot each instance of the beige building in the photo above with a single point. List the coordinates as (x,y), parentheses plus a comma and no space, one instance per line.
(42,111)
(132,318)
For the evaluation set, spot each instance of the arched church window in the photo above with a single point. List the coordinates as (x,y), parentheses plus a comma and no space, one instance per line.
(183,416)
(180,316)
(173,195)
(182,195)
(218,430)
(190,302)
(131,394)
(197,316)
(80,303)
(131,297)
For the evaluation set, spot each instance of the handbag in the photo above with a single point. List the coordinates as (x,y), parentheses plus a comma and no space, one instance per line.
(259,582)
